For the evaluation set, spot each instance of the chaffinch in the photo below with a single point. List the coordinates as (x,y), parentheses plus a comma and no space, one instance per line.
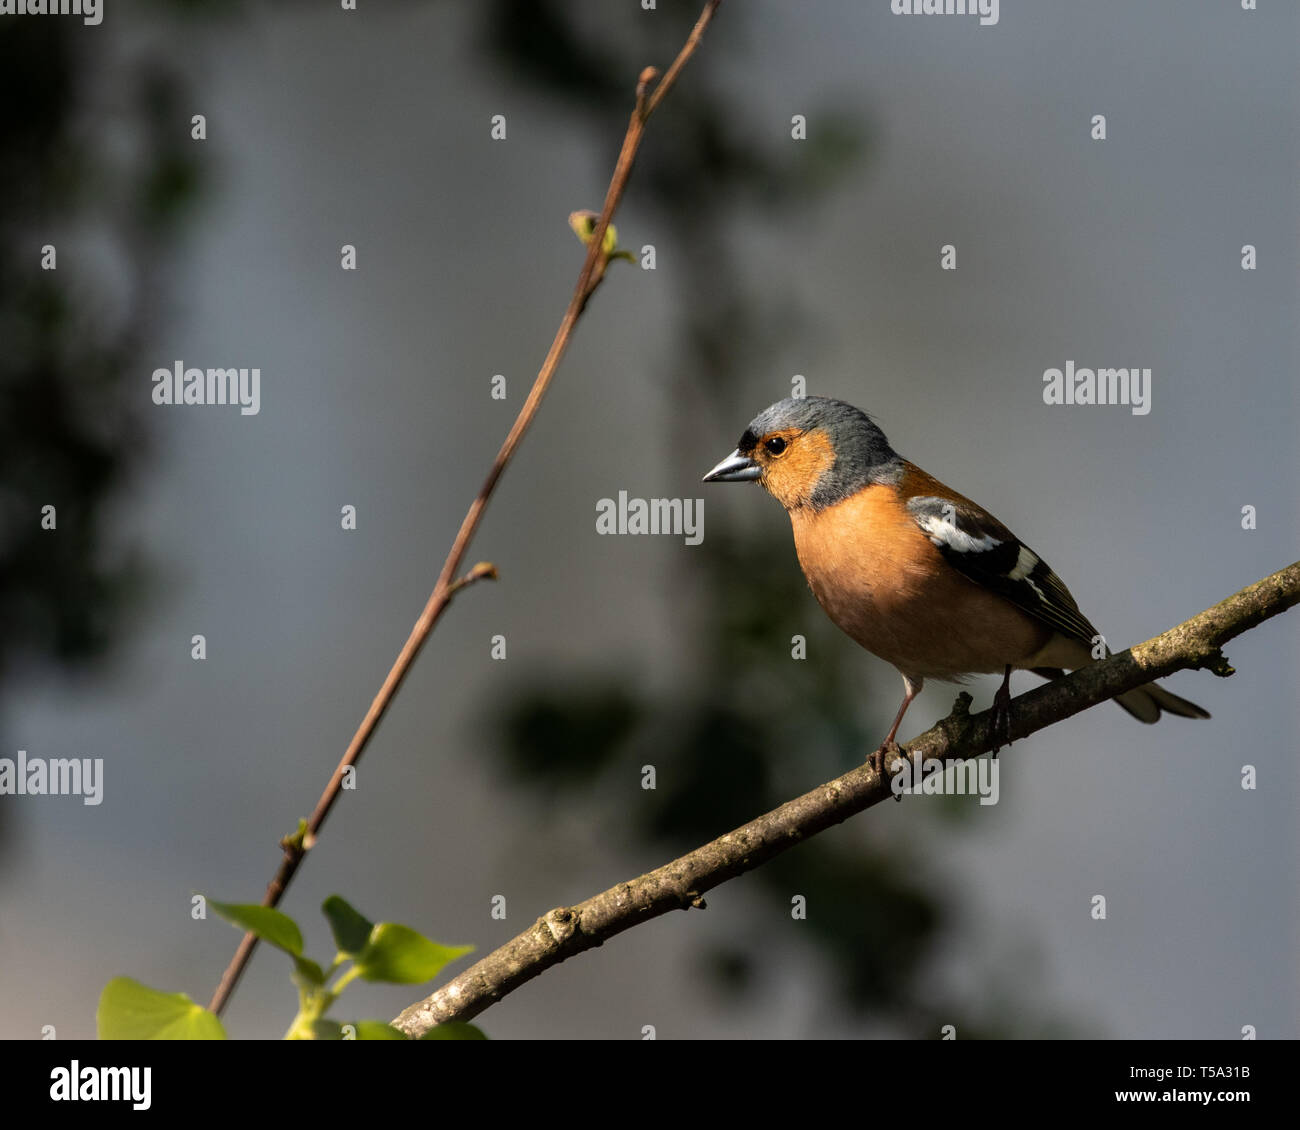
(913,571)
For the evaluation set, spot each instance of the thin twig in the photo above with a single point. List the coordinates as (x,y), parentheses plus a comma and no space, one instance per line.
(568,931)
(483,571)
(593,271)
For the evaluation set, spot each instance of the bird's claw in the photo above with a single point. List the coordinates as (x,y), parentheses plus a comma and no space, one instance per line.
(877,759)
(1001,721)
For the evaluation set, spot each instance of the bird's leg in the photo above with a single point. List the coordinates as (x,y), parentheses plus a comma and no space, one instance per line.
(1002,711)
(911,690)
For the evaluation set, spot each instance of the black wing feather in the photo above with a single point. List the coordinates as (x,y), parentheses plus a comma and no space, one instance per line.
(982,549)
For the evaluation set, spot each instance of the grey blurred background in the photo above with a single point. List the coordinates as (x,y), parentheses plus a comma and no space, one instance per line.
(521,777)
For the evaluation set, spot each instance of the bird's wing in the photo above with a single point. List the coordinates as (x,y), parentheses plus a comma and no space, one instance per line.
(982,549)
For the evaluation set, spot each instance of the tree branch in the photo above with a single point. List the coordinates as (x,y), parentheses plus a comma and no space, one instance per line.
(568,931)
(648,97)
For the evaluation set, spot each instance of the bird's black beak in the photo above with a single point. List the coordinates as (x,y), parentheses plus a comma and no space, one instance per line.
(735,468)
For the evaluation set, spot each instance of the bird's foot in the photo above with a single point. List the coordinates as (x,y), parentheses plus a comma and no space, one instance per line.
(877,758)
(1001,722)
(878,762)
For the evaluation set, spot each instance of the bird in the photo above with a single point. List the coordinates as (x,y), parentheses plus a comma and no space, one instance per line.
(914,572)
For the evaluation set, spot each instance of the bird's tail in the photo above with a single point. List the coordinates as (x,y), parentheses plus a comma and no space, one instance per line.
(1145,703)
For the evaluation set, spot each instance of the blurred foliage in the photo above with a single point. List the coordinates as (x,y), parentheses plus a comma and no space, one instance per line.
(723,740)
(72,334)
(108,182)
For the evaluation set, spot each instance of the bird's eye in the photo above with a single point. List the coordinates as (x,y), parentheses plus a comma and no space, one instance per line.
(775,445)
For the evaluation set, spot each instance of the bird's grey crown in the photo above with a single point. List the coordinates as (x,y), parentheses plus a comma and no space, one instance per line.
(862,453)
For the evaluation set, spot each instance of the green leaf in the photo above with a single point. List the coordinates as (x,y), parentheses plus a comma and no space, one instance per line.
(271,926)
(377,1030)
(399,955)
(351,928)
(584,224)
(129,1010)
(454,1030)
(308,972)
(296,841)
(326,1030)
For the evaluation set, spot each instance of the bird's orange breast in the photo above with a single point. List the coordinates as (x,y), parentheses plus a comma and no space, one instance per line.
(882,581)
